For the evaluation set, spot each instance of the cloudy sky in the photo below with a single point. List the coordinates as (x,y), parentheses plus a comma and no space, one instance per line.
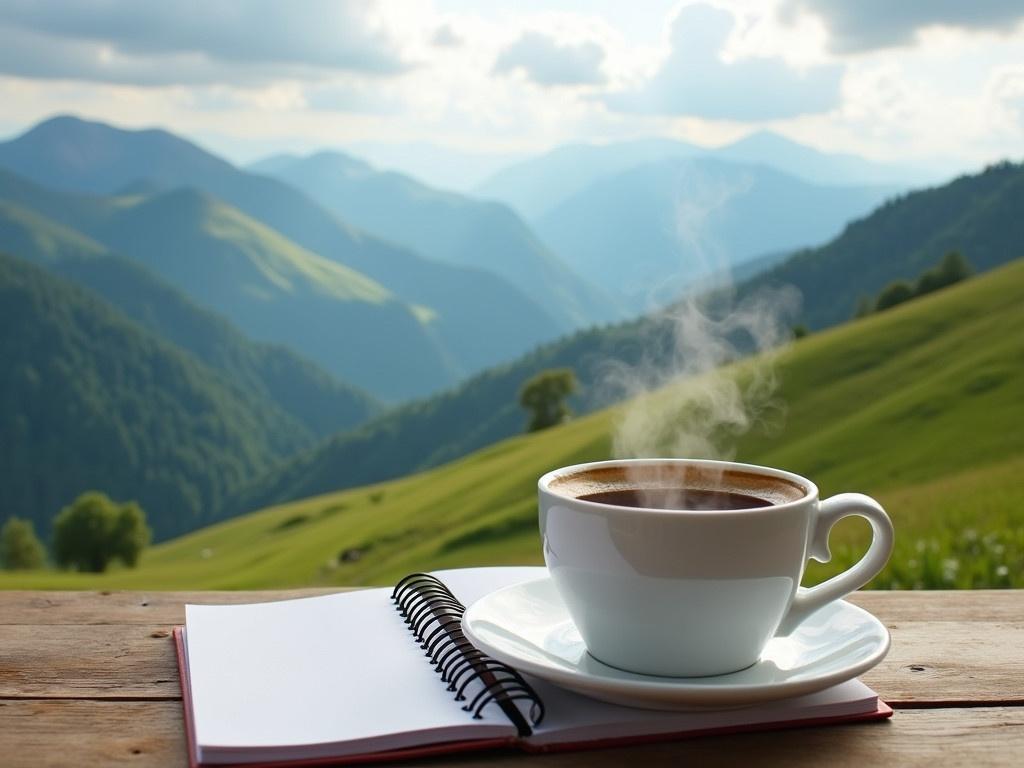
(932,83)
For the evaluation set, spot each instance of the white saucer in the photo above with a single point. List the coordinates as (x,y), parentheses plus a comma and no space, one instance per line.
(528,627)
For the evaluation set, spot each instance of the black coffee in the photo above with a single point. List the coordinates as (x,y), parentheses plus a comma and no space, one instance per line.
(677,498)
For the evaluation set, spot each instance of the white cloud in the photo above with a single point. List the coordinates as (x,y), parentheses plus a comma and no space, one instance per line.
(695,80)
(952,100)
(1005,95)
(445,37)
(863,25)
(193,41)
(546,61)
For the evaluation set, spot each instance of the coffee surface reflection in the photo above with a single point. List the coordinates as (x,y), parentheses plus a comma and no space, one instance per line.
(688,499)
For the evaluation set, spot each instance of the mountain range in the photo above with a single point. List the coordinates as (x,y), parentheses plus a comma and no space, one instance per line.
(286,304)
(392,322)
(976,214)
(648,232)
(413,323)
(448,228)
(536,185)
(272,289)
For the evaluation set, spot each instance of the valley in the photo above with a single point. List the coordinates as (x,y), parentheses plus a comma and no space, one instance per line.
(873,406)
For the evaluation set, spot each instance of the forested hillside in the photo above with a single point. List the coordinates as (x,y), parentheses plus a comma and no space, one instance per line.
(648,232)
(978,215)
(321,402)
(91,400)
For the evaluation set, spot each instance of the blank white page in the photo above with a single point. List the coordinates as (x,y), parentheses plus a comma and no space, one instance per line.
(317,671)
(470,584)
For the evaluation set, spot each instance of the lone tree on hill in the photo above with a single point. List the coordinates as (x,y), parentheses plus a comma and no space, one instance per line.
(952,269)
(544,397)
(94,530)
(20,549)
(893,294)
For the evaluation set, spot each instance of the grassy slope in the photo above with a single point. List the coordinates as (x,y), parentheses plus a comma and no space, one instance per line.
(916,405)
(978,214)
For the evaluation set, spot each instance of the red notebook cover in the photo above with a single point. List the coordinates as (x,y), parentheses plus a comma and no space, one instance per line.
(882,711)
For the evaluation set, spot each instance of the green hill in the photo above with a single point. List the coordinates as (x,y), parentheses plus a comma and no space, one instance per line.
(320,402)
(426,433)
(916,405)
(279,292)
(272,289)
(88,399)
(978,215)
(276,290)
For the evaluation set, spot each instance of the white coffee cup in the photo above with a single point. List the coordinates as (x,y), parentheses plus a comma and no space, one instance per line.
(694,593)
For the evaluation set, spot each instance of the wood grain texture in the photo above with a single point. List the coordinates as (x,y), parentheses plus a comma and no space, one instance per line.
(109,651)
(30,607)
(35,607)
(110,661)
(89,679)
(45,734)
(90,734)
(924,737)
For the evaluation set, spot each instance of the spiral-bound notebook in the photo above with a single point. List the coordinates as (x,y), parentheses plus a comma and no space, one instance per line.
(345,678)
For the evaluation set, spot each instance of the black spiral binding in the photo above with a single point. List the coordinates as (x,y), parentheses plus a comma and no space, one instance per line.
(434,616)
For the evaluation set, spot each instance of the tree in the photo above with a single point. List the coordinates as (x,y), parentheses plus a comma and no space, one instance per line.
(893,294)
(544,397)
(20,549)
(131,534)
(952,269)
(93,530)
(799,331)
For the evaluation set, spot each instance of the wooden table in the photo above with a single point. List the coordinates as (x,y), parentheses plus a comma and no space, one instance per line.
(89,679)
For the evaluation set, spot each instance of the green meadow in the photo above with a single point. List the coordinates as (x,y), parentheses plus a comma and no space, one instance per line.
(921,406)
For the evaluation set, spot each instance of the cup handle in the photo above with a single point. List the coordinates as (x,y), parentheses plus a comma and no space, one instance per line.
(830,511)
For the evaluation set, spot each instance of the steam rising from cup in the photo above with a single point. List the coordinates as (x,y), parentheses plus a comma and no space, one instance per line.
(690,398)
(694,406)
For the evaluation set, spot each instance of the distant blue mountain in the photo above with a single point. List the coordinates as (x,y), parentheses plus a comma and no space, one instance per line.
(649,231)
(535,186)
(66,152)
(440,166)
(832,169)
(447,227)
